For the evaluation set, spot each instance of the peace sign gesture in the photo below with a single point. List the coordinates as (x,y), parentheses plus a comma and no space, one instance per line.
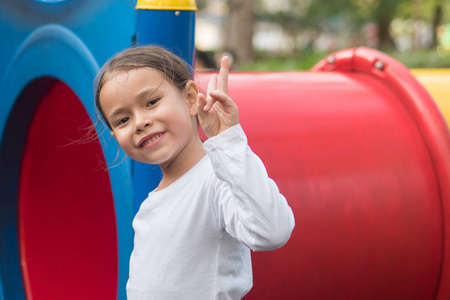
(217,112)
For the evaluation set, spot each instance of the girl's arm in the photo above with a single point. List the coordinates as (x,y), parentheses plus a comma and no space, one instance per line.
(249,203)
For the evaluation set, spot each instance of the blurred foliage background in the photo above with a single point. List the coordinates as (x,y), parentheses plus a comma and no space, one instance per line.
(296,34)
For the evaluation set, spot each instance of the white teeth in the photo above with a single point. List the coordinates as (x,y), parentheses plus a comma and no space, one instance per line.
(155,137)
(152,139)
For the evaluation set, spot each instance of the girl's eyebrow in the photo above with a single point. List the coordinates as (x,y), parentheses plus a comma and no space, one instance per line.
(146,92)
(116,112)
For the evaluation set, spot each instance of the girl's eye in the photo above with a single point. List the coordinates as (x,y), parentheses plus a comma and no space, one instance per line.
(153,102)
(122,121)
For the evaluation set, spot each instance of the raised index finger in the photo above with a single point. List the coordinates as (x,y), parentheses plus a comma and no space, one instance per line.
(222,78)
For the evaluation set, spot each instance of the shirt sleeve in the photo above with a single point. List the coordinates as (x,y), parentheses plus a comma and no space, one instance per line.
(250,205)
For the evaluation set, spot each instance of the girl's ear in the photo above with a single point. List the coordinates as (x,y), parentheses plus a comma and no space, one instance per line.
(190,96)
(112,134)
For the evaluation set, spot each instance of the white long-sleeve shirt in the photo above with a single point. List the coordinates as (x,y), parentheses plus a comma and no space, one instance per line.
(192,239)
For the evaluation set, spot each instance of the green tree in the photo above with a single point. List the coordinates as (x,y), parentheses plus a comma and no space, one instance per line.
(383,15)
(437,20)
(239,29)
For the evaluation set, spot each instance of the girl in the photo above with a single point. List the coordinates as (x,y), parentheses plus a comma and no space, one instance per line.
(215,200)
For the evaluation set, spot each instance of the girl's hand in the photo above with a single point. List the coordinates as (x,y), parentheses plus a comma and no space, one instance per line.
(217,112)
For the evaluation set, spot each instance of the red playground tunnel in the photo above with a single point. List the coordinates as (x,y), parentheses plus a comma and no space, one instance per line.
(362,154)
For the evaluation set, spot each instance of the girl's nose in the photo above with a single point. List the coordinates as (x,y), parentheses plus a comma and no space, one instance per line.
(142,127)
(141,123)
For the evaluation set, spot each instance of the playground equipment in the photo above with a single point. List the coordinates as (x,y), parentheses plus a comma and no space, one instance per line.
(357,146)
(362,153)
(65,220)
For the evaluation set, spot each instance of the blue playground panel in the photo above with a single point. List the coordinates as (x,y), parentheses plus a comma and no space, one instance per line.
(44,42)
(51,52)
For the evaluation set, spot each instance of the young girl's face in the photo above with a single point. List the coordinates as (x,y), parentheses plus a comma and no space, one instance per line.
(151,119)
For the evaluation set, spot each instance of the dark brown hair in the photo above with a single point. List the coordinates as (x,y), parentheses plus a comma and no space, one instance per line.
(173,68)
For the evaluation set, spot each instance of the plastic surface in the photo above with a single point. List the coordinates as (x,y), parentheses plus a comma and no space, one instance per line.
(43,42)
(363,156)
(437,83)
(67,223)
(166,28)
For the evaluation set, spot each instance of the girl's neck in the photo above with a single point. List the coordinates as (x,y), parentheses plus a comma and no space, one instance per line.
(173,170)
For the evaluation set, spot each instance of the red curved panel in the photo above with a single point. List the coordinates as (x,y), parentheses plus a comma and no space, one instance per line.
(352,161)
(68,235)
(360,180)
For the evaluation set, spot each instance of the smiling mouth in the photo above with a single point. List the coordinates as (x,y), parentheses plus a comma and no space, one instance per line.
(150,140)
